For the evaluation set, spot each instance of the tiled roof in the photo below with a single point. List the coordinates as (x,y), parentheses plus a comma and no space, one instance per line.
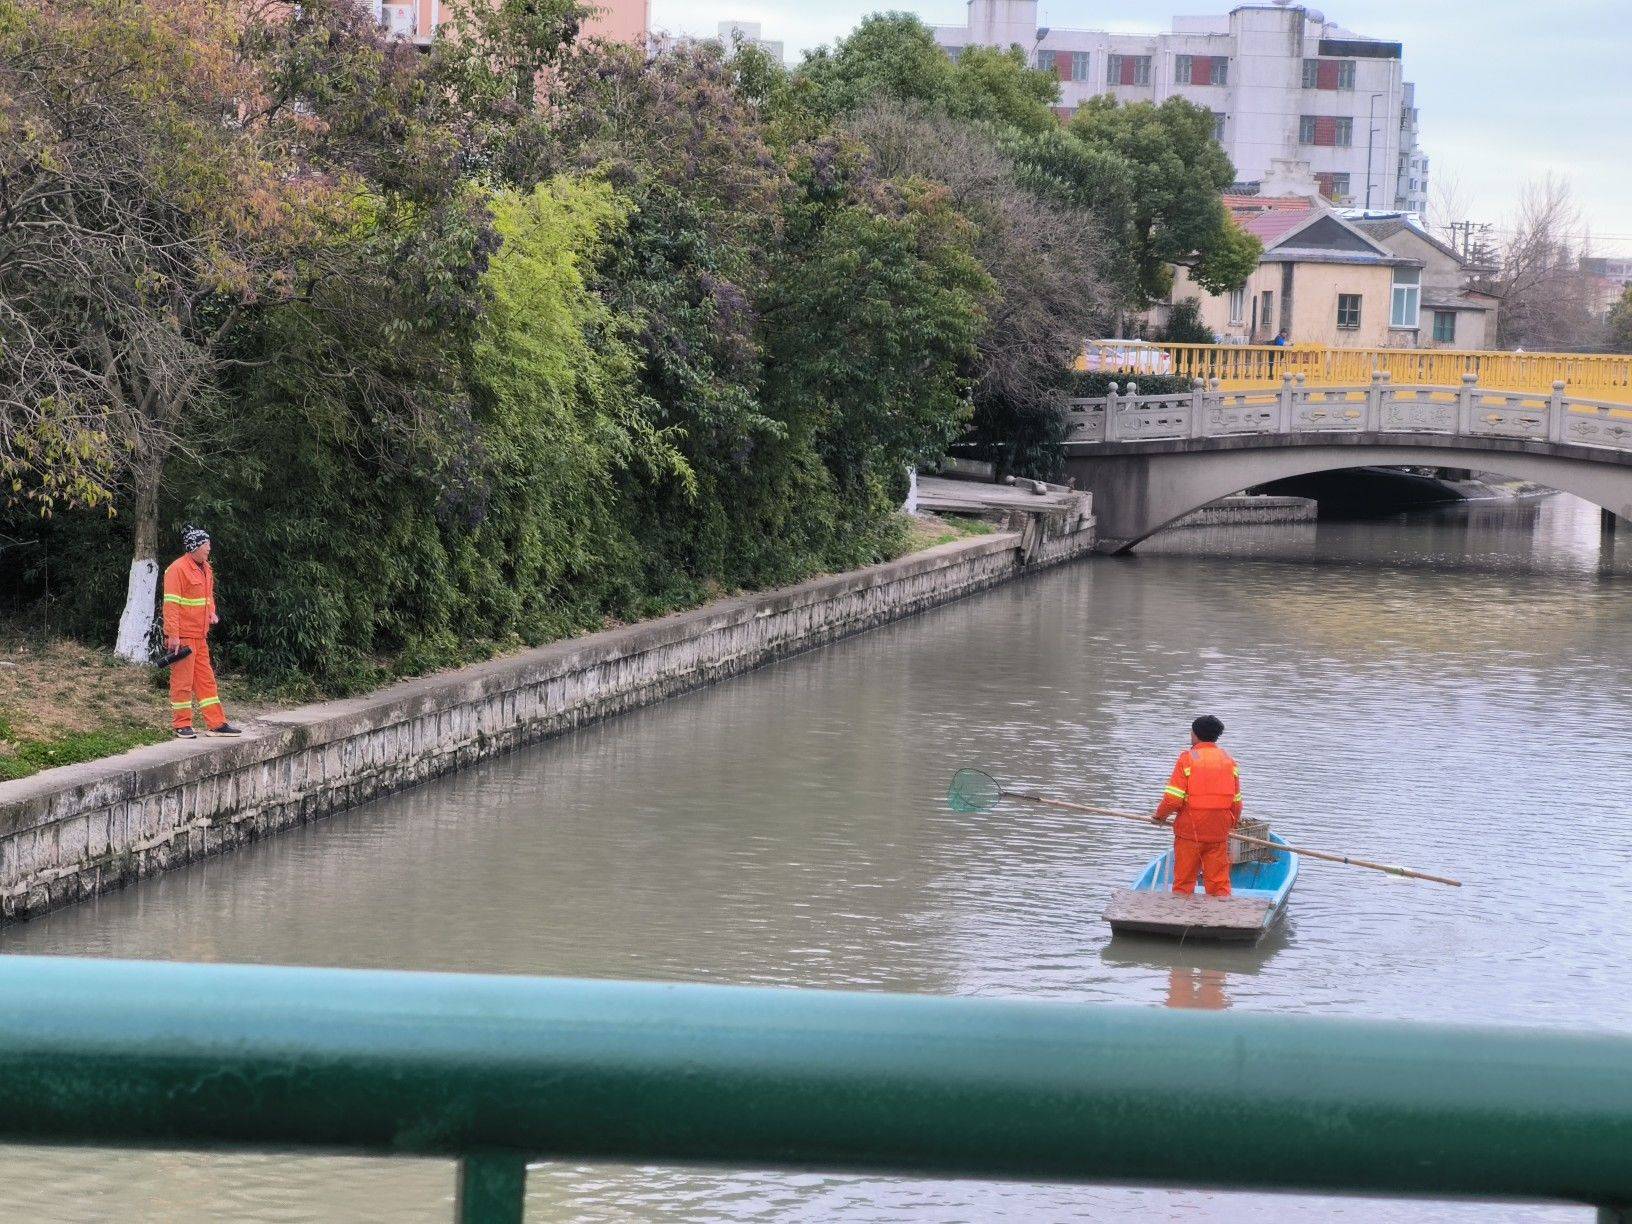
(1269,218)
(1380,227)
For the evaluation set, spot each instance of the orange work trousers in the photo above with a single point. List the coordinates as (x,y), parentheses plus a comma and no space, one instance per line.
(194,677)
(1193,858)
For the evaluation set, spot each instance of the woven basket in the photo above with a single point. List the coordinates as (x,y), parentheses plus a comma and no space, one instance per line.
(1241,852)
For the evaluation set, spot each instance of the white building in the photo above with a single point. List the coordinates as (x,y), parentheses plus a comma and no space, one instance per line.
(1282,82)
(750,33)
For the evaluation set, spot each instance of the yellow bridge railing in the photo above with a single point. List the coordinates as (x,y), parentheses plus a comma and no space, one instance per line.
(1241,366)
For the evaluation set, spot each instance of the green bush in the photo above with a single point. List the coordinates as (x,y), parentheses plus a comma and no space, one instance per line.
(1097,384)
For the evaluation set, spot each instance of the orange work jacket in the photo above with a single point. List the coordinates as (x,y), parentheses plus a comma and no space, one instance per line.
(1205,794)
(189,598)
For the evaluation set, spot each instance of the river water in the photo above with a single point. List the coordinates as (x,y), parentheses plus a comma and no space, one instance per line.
(1447,690)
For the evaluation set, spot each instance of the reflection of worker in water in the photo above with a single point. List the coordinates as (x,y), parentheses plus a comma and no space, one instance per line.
(1199,988)
(1205,794)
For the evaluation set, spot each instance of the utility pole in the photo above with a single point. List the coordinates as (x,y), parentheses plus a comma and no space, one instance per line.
(1371,139)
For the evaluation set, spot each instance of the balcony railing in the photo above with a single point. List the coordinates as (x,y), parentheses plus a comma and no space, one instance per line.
(497,1071)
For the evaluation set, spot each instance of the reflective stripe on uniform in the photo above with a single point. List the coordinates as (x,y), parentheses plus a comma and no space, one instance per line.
(185,602)
(181,705)
(1174,791)
(1237,796)
(209,701)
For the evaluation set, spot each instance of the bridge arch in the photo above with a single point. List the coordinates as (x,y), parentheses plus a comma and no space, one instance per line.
(1139,488)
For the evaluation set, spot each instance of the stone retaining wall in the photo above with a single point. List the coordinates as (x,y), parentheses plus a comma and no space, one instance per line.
(70,833)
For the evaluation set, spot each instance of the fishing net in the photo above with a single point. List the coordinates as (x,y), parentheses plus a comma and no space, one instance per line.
(973,791)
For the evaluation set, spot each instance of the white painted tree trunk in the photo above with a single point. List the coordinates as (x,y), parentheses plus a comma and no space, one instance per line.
(911,505)
(136,623)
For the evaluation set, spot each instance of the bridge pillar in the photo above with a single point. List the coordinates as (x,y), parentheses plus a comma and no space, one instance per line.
(1607,520)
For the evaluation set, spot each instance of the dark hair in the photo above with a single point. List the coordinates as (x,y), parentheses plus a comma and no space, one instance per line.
(1207,729)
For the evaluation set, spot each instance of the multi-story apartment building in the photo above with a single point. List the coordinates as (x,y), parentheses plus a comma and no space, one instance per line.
(1282,82)
(1411,190)
(417,20)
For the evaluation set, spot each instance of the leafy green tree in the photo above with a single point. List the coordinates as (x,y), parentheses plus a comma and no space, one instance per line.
(997,87)
(894,57)
(890,55)
(1618,337)
(872,326)
(1177,173)
(1184,325)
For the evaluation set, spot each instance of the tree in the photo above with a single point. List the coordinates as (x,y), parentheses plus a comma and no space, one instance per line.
(1044,258)
(894,57)
(1184,325)
(176,171)
(1177,173)
(1618,336)
(890,55)
(871,328)
(1547,301)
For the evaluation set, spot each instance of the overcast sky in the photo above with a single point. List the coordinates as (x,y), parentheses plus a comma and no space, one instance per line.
(1508,89)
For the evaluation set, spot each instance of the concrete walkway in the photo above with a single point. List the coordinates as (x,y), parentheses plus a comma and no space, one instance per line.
(943,496)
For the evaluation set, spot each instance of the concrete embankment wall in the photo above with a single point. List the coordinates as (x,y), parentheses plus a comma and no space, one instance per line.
(70,833)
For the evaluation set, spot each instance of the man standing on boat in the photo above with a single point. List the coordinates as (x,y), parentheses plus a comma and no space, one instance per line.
(1204,793)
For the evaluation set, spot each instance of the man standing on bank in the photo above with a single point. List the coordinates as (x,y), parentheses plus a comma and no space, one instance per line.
(189,611)
(1205,794)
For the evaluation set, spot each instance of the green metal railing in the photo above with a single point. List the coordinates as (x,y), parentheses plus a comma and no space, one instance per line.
(495,1071)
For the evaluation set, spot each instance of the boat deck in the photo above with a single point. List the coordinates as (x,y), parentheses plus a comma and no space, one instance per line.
(1167,913)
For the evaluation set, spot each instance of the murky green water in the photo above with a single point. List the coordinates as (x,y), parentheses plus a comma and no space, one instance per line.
(1449,691)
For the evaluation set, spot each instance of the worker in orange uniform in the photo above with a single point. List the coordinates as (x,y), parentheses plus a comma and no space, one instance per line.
(1205,794)
(189,611)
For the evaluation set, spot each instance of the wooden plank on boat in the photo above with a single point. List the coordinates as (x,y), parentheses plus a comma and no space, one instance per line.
(1198,917)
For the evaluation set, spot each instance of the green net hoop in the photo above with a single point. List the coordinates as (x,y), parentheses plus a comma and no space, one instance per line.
(973,790)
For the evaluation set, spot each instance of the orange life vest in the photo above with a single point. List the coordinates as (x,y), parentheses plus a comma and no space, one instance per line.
(1206,790)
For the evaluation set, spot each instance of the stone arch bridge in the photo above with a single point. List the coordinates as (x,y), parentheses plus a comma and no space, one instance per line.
(1149,460)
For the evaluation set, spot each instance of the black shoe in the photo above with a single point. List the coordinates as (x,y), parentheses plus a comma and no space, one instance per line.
(225,729)
(185,733)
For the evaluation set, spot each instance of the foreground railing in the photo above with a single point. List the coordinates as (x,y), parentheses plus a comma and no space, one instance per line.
(1379,406)
(495,1071)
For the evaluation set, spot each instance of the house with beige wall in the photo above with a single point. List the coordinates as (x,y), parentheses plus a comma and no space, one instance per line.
(1454,314)
(1320,280)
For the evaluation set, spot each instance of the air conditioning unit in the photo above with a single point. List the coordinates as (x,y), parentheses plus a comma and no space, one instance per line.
(398,20)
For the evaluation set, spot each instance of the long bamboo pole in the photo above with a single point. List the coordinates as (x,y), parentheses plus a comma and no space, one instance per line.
(1406,872)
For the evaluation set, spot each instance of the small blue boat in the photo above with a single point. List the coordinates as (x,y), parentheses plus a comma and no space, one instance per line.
(1257,901)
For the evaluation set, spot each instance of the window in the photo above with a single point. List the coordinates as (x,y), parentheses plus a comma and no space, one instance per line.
(1407,304)
(1201,70)
(1238,306)
(1334,186)
(1128,70)
(952,53)
(1266,314)
(1445,327)
(1348,311)
(1082,65)
(1326,130)
(1218,126)
(1328,74)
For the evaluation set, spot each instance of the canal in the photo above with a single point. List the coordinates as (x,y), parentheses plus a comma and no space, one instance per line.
(1447,690)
